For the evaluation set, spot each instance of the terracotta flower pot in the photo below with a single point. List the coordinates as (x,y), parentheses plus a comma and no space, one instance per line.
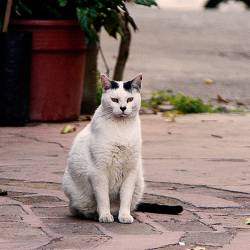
(57,68)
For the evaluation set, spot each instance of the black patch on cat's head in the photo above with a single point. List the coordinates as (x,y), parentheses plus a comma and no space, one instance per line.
(128,86)
(114,85)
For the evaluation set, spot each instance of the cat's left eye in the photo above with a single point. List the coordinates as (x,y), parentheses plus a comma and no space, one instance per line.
(114,100)
(130,99)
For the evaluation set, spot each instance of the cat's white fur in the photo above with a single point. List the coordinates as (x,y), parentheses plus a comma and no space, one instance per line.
(104,173)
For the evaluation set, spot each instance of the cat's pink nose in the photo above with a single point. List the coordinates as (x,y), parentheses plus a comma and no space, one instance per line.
(123,109)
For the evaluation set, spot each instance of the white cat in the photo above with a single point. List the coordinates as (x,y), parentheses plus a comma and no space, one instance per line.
(104,172)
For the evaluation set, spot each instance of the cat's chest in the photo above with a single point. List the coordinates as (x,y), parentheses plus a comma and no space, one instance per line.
(122,158)
(121,154)
(116,155)
(117,152)
(116,146)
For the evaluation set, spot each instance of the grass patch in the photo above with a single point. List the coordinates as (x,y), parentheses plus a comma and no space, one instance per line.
(182,103)
(188,104)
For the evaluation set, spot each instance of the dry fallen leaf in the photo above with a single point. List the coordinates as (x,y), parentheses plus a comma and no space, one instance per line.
(208,81)
(171,115)
(84,118)
(68,129)
(199,248)
(240,103)
(222,99)
(217,136)
(196,248)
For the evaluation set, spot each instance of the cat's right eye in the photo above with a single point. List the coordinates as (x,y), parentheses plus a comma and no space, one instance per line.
(114,100)
(130,99)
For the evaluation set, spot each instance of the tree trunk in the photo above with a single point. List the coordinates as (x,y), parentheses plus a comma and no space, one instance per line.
(89,103)
(123,54)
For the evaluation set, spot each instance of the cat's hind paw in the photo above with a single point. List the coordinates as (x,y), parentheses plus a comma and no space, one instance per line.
(125,218)
(106,218)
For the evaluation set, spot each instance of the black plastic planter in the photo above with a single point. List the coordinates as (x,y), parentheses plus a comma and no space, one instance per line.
(15,59)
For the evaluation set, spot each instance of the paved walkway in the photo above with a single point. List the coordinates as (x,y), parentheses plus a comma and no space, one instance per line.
(180,49)
(199,161)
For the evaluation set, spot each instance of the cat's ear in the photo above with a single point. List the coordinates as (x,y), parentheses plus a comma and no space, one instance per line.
(105,82)
(136,82)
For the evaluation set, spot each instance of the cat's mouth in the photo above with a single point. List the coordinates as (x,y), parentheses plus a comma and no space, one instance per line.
(123,115)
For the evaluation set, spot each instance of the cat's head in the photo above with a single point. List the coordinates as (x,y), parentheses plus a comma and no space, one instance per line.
(121,98)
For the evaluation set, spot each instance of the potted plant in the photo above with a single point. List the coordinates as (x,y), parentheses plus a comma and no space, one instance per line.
(58,58)
(59,47)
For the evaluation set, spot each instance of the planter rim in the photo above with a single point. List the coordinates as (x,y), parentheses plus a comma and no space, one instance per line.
(46,22)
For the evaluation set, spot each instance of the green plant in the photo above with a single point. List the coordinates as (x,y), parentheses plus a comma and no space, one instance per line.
(182,103)
(91,14)
(157,98)
(188,104)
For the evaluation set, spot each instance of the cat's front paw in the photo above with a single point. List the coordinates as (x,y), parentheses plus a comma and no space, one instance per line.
(106,218)
(125,218)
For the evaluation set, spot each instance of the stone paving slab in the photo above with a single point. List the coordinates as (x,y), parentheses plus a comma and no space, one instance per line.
(241,240)
(184,164)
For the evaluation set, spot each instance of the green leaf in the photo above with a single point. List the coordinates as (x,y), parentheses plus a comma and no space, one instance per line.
(113,23)
(86,21)
(54,11)
(247,221)
(93,15)
(24,7)
(146,2)
(182,103)
(63,3)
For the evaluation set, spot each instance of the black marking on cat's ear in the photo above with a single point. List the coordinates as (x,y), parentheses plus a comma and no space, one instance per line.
(114,85)
(128,86)
(133,84)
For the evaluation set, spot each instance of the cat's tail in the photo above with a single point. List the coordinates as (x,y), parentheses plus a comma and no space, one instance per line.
(159,209)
